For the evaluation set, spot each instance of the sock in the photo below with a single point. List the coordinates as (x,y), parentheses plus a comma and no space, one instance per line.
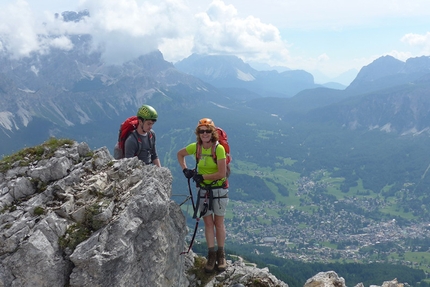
(220,248)
(211,249)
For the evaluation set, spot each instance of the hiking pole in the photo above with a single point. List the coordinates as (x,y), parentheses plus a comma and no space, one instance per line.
(203,212)
(192,239)
(197,220)
(191,194)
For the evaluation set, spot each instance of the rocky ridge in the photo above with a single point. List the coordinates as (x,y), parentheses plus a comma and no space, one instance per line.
(81,219)
(70,216)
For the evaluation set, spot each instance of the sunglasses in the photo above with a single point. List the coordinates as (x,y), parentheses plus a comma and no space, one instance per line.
(205,131)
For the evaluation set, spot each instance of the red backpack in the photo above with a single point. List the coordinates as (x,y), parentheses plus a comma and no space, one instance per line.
(125,129)
(222,140)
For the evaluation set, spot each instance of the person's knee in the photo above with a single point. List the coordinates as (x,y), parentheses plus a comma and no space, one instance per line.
(209,222)
(219,222)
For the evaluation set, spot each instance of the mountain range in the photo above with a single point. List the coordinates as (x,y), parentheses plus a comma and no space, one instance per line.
(73,94)
(230,71)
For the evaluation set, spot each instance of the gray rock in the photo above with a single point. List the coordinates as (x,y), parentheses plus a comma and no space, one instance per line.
(325,279)
(55,169)
(238,272)
(16,171)
(21,187)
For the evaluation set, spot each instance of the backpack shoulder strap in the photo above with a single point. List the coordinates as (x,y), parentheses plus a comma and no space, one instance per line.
(198,152)
(214,147)
(139,142)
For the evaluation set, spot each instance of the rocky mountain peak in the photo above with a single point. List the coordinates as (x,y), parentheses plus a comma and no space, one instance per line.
(72,16)
(80,219)
(388,71)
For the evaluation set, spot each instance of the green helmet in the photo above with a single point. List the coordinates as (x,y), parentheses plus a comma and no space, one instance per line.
(147,112)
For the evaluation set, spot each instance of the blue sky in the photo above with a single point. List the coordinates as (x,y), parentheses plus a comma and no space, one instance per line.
(329,36)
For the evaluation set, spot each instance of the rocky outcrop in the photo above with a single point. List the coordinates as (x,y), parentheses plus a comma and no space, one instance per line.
(238,272)
(81,219)
(325,279)
(331,279)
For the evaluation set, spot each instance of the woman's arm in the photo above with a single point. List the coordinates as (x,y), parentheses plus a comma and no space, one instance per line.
(182,153)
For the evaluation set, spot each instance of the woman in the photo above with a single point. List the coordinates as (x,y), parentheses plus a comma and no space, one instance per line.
(213,197)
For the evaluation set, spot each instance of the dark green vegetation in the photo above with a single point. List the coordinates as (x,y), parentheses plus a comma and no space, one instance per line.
(75,234)
(81,231)
(295,273)
(30,154)
(198,271)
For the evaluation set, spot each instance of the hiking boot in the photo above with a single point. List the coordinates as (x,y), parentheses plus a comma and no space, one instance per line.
(210,263)
(220,258)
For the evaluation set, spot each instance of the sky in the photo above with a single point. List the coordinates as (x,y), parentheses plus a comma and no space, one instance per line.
(328,36)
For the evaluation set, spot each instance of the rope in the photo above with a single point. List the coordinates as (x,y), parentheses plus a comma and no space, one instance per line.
(197,219)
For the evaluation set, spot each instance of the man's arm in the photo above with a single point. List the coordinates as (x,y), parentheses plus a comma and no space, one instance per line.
(154,155)
(157,162)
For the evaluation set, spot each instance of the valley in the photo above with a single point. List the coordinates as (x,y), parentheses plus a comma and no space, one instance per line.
(316,223)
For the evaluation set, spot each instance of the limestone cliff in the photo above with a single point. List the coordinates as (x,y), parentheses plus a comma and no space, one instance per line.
(79,218)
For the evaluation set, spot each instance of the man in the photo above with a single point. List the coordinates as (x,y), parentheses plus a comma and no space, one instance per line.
(142,142)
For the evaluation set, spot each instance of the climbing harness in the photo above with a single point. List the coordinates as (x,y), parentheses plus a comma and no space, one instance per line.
(207,205)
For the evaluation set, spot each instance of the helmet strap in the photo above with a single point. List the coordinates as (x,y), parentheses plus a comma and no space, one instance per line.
(140,126)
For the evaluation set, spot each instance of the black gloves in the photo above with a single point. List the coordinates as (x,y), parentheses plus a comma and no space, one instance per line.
(198,178)
(189,173)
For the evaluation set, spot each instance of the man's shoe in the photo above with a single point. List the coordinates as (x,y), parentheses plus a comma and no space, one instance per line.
(210,263)
(220,258)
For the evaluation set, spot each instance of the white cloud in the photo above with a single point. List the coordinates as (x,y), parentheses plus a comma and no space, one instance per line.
(18,30)
(416,39)
(256,31)
(323,58)
(421,41)
(123,29)
(126,29)
(23,32)
(221,31)
(62,43)
(402,56)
